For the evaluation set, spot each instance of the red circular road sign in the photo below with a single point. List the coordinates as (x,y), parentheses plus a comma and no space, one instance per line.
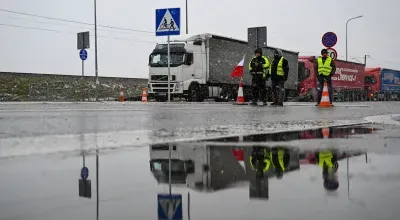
(329,39)
(332,53)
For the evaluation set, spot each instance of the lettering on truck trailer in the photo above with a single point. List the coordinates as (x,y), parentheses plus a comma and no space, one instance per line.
(345,77)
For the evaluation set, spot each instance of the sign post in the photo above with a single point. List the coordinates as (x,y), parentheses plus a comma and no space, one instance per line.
(168,23)
(83,42)
(83,55)
(329,39)
(169,207)
(257,36)
(332,53)
(85,185)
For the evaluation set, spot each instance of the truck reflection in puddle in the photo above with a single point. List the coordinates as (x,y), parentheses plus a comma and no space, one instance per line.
(207,167)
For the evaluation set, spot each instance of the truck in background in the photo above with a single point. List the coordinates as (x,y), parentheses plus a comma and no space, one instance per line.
(382,84)
(347,82)
(201,65)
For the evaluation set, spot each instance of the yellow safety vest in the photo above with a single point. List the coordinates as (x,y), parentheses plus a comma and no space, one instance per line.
(279,70)
(281,153)
(267,162)
(325,157)
(324,68)
(265,66)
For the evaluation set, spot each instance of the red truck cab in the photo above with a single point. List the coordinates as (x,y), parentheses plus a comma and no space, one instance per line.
(372,82)
(307,78)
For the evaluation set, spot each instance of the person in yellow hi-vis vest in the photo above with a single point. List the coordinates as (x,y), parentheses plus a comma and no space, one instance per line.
(258,67)
(260,160)
(280,157)
(325,69)
(279,71)
(327,160)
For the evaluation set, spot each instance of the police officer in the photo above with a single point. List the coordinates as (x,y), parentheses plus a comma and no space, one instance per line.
(325,68)
(258,67)
(279,71)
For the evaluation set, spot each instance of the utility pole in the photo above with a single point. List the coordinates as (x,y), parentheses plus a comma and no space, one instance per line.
(365,59)
(186,17)
(95,52)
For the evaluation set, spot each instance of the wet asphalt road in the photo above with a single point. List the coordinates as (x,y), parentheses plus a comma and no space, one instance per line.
(42,145)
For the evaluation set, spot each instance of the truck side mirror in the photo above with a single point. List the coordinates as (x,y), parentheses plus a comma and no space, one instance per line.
(190,166)
(189,59)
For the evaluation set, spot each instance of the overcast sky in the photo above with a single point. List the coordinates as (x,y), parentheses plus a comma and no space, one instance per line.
(292,25)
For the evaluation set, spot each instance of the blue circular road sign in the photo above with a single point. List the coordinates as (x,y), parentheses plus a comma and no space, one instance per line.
(83,54)
(84,173)
(329,39)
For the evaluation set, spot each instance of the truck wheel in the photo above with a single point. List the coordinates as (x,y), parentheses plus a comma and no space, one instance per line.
(195,93)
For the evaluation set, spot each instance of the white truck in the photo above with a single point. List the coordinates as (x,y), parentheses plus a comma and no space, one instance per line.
(200,68)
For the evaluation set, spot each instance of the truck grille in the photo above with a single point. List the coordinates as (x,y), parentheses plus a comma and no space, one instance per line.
(162,78)
(163,90)
(163,85)
(162,147)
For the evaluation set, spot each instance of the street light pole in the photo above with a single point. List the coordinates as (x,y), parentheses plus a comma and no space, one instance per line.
(346,30)
(186,17)
(95,50)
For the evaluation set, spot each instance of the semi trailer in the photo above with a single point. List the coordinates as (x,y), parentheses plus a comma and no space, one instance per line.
(382,84)
(201,65)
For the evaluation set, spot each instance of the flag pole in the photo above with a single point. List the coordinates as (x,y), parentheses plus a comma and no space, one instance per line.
(241,78)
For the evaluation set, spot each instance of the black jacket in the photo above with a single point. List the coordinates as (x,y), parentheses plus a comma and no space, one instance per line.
(274,68)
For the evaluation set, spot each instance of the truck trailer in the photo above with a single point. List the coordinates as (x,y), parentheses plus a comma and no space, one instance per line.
(201,65)
(347,82)
(382,84)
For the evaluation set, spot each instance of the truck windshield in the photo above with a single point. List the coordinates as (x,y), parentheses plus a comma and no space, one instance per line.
(161,165)
(161,59)
(370,80)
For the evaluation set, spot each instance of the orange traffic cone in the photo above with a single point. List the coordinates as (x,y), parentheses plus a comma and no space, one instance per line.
(240,97)
(144,95)
(325,102)
(121,95)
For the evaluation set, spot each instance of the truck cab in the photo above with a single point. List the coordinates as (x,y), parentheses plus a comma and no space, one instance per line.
(188,164)
(186,65)
(307,78)
(372,81)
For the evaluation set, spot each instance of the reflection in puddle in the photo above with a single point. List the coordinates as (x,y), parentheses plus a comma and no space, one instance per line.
(207,167)
(329,132)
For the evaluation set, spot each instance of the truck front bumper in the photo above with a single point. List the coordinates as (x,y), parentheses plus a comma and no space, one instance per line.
(161,88)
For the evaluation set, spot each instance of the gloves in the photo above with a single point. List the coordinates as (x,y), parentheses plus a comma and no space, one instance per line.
(284,78)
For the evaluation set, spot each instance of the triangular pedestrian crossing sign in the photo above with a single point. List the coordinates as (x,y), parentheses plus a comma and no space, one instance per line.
(167,23)
(169,207)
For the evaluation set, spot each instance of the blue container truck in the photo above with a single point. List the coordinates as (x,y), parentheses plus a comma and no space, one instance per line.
(390,85)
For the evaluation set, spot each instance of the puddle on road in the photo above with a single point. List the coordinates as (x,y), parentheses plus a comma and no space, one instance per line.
(210,181)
